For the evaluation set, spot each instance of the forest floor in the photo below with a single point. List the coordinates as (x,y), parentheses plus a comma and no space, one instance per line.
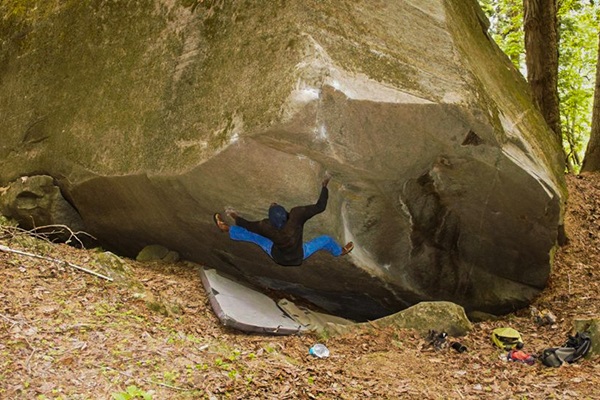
(65,334)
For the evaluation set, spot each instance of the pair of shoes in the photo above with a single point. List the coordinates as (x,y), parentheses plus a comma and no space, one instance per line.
(220,223)
(347,248)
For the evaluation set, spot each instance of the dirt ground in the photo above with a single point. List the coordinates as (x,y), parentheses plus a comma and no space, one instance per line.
(65,334)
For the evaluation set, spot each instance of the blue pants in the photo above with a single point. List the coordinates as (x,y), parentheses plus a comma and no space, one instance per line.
(319,243)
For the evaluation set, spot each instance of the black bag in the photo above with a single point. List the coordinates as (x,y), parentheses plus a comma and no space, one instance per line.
(575,348)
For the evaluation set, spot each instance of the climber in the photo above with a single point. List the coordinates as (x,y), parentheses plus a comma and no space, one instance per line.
(280,235)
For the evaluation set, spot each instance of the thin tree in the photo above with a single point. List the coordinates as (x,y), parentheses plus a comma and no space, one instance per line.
(591,162)
(541,57)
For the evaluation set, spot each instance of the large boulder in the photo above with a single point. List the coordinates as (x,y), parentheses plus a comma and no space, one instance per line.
(150,116)
(37,204)
(438,316)
(591,326)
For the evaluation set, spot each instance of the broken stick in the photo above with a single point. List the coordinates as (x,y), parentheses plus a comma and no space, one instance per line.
(55,260)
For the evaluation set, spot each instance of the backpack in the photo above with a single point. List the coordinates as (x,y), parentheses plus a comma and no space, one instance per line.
(507,338)
(575,348)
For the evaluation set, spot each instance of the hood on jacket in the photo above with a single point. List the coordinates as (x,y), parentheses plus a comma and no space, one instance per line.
(278,216)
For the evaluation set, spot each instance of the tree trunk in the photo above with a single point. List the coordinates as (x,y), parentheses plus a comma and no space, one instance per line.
(541,56)
(591,161)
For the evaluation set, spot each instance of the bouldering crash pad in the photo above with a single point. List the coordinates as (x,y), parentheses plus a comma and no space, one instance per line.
(315,321)
(241,307)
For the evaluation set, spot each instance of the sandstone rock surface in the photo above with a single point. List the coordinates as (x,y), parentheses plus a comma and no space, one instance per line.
(150,116)
(440,316)
(37,204)
(591,326)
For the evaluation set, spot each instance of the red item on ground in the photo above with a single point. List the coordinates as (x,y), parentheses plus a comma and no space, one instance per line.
(520,356)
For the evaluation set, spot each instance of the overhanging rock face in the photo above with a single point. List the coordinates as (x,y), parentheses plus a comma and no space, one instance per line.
(444,173)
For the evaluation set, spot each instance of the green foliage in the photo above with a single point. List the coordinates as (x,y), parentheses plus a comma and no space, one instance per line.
(506,27)
(578,30)
(578,23)
(132,392)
